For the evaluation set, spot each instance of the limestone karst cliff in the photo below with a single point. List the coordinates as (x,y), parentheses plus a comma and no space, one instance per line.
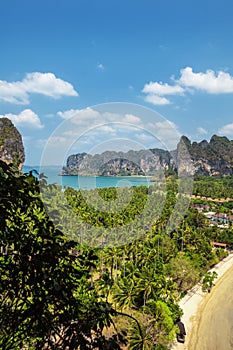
(11,144)
(213,158)
(111,163)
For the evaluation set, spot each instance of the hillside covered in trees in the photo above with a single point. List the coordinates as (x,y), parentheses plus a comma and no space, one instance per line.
(103,268)
(92,278)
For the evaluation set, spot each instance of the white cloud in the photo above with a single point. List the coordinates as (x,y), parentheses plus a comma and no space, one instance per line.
(156,91)
(81,116)
(47,84)
(226,129)
(111,117)
(161,89)
(130,118)
(13,92)
(145,137)
(100,66)
(167,133)
(87,116)
(202,130)
(157,100)
(165,126)
(27,118)
(106,128)
(35,83)
(211,82)
(68,114)
(82,124)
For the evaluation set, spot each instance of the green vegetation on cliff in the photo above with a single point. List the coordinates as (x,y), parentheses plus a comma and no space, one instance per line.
(11,145)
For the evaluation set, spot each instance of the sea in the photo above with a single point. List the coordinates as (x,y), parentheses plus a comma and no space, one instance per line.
(86,182)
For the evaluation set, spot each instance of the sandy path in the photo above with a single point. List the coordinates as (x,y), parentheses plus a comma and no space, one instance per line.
(200,320)
(213,327)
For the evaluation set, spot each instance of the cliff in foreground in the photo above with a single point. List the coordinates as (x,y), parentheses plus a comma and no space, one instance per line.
(11,144)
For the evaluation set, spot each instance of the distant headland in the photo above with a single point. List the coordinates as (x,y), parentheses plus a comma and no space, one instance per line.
(213,158)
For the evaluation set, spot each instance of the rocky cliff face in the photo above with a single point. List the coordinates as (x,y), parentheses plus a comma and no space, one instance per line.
(110,163)
(214,158)
(11,145)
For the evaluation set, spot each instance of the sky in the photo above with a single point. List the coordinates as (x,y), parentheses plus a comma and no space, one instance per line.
(91,75)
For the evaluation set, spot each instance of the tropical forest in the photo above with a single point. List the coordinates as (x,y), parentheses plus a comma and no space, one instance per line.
(77,272)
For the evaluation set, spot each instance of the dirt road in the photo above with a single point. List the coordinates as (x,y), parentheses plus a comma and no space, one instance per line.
(212,327)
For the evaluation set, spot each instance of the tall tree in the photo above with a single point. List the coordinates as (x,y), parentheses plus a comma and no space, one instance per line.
(47,299)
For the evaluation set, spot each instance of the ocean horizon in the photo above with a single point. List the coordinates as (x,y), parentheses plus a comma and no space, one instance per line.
(86,182)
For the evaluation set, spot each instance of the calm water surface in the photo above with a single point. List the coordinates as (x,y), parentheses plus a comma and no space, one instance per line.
(87,182)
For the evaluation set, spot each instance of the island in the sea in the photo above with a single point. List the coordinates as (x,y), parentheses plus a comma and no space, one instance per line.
(112,163)
(213,158)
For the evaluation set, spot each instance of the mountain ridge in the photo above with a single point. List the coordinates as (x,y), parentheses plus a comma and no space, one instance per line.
(213,158)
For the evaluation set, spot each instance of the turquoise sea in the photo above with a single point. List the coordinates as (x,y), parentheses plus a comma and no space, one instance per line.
(87,182)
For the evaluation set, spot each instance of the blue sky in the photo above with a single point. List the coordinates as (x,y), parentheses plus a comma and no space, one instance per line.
(61,58)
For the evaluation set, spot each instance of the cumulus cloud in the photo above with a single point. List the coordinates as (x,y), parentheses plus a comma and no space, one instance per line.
(156,91)
(68,114)
(211,82)
(162,89)
(86,123)
(130,118)
(166,128)
(226,129)
(107,129)
(47,84)
(80,116)
(26,118)
(88,115)
(157,100)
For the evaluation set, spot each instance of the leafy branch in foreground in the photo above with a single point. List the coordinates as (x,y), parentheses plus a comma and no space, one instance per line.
(47,299)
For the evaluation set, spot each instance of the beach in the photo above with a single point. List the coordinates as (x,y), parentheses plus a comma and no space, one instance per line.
(207,316)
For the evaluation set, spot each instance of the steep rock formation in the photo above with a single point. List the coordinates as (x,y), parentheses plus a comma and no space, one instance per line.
(111,163)
(11,144)
(214,158)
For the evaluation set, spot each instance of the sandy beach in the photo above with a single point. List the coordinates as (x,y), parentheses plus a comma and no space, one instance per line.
(198,309)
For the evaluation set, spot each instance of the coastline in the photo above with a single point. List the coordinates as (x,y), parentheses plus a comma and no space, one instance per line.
(193,300)
(118,176)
